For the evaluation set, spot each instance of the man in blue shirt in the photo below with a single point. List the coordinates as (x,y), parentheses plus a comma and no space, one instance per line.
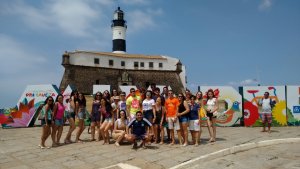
(139,126)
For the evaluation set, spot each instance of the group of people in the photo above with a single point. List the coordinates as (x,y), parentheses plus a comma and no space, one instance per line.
(144,116)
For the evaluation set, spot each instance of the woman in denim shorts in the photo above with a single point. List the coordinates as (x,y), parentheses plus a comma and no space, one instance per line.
(80,114)
(58,117)
(107,119)
(183,116)
(46,121)
(70,107)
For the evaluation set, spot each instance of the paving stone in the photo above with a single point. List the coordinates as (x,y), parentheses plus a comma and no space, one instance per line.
(18,147)
(20,167)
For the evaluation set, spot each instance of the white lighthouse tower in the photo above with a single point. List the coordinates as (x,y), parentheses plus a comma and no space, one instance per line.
(119,27)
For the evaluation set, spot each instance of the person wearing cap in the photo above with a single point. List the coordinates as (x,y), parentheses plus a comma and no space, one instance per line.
(114,94)
(114,106)
(133,104)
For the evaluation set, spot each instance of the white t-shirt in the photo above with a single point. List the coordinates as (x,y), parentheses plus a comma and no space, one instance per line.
(119,122)
(265,105)
(122,105)
(68,107)
(147,104)
(211,103)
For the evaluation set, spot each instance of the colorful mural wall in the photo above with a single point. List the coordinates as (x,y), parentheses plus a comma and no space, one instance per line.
(67,93)
(234,108)
(230,104)
(293,105)
(252,95)
(24,114)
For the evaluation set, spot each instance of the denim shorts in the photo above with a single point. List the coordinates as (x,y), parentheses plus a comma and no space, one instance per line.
(109,120)
(43,122)
(59,122)
(148,114)
(70,115)
(81,115)
(183,119)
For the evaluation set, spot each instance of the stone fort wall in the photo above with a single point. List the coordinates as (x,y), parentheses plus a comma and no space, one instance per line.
(84,77)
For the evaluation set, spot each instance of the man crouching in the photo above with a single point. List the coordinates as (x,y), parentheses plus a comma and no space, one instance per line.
(137,130)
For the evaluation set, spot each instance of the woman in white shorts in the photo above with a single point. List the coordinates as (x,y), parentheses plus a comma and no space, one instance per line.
(194,124)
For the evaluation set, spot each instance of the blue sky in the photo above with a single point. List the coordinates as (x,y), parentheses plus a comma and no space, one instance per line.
(232,42)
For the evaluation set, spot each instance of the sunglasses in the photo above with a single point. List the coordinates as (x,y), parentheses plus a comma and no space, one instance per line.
(132,91)
(180,96)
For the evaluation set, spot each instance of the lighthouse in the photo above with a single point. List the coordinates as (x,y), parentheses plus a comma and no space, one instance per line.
(118,27)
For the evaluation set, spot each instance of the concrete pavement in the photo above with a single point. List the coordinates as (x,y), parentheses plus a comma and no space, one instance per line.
(18,149)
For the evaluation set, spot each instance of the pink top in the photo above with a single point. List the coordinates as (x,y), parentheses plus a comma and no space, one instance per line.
(60,111)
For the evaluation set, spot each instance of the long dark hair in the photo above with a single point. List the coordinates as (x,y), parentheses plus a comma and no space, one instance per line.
(56,100)
(73,93)
(46,102)
(183,98)
(108,107)
(119,116)
(98,93)
(213,94)
(83,101)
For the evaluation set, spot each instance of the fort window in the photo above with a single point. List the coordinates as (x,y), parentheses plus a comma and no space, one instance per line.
(160,65)
(111,62)
(122,63)
(142,64)
(96,60)
(97,82)
(151,64)
(136,64)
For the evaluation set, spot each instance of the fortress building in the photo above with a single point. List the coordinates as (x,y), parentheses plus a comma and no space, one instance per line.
(84,69)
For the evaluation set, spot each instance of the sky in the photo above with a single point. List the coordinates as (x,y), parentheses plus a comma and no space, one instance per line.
(221,43)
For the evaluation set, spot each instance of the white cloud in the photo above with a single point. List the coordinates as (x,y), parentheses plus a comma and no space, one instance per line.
(80,18)
(136,2)
(140,20)
(17,57)
(20,66)
(106,2)
(74,18)
(244,82)
(265,4)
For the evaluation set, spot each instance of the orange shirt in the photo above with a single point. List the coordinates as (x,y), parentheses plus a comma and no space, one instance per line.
(171,107)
